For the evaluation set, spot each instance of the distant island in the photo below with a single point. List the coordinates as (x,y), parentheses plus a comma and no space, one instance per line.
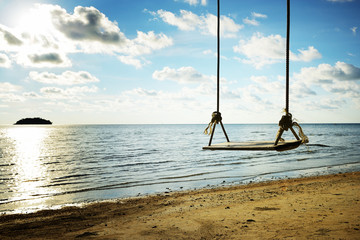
(33,121)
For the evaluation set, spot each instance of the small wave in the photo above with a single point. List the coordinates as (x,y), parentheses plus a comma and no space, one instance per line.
(317,145)
(191,175)
(7,165)
(49,163)
(5,179)
(62,184)
(72,176)
(139,164)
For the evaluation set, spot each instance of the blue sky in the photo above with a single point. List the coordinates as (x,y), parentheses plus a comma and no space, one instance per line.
(146,61)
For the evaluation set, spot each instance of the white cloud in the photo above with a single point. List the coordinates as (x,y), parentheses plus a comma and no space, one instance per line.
(52,91)
(48,33)
(97,28)
(182,75)
(353,29)
(8,87)
(228,28)
(258,15)
(41,60)
(196,2)
(208,52)
(349,89)
(340,1)
(130,60)
(327,74)
(322,104)
(340,80)
(8,93)
(191,2)
(188,21)
(4,61)
(87,24)
(143,92)
(300,90)
(146,43)
(260,50)
(8,39)
(267,86)
(66,78)
(250,21)
(69,93)
(306,55)
(11,97)
(253,20)
(81,90)
(31,95)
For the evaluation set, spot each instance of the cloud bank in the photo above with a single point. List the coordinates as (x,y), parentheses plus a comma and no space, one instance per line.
(206,24)
(262,50)
(182,75)
(66,78)
(86,30)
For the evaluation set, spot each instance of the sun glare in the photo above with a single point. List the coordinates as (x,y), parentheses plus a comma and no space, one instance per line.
(35,21)
(30,173)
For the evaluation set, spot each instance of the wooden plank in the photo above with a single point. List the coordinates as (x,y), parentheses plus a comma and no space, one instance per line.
(255,146)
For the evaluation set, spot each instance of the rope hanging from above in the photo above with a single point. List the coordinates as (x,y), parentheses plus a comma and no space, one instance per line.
(216,116)
(215,119)
(287,123)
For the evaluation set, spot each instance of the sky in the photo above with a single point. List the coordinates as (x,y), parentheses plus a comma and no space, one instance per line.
(154,61)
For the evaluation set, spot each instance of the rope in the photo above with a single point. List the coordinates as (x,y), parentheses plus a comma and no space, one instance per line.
(304,138)
(286,122)
(216,116)
(287,56)
(218,57)
(215,119)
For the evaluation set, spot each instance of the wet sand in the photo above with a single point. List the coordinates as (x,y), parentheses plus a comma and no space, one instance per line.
(324,207)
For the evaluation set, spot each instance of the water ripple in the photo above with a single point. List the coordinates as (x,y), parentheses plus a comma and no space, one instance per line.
(48,166)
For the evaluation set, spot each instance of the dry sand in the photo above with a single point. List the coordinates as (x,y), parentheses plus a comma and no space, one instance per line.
(325,207)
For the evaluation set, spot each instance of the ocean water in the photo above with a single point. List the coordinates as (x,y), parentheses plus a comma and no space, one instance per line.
(43,167)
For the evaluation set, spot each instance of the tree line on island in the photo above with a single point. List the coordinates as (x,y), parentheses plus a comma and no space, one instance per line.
(36,120)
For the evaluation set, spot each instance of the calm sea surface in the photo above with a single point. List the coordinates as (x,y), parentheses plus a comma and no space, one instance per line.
(45,167)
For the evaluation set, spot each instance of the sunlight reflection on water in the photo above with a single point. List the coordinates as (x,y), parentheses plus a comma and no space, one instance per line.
(27,144)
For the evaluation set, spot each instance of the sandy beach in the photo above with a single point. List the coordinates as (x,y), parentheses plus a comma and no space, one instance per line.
(323,207)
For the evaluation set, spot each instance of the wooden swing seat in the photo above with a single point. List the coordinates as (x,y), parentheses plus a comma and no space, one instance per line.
(256,146)
(285,123)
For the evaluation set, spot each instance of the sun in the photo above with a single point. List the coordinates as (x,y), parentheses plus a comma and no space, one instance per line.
(35,20)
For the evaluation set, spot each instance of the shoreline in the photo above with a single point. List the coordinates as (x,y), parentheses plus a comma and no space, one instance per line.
(326,206)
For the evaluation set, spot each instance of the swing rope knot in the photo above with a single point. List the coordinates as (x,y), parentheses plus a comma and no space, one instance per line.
(286,121)
(215,119)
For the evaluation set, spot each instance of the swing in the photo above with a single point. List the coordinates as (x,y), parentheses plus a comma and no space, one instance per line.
(285,123)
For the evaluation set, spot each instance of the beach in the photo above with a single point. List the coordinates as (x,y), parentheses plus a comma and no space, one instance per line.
(321,207)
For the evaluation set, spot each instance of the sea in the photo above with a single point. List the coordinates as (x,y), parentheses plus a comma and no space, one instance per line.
(48,167)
